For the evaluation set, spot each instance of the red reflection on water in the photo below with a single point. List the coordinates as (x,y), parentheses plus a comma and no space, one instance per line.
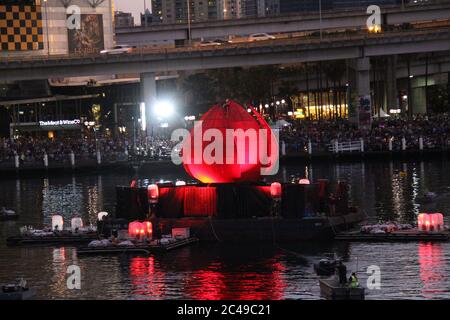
(145,278)
(432,268)
(213,284)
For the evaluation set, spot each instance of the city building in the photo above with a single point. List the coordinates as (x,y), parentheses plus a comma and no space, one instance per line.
(49,28)
(176,11)
(231,9)
(148,18)
(343,4)
(260,8)
(35,27)
(299,6)
(123,19)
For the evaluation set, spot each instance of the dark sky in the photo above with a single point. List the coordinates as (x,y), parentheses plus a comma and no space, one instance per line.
(133,6)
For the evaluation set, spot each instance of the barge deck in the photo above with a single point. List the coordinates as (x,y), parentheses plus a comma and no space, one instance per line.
(395,236)
(137,249)
(55,239)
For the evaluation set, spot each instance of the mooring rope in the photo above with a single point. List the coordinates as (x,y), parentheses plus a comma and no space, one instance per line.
(213,230)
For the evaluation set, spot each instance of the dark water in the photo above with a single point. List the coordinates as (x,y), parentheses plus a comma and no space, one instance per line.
(384,190)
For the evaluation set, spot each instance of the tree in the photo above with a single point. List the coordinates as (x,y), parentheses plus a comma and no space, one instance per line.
(201,89)
(438,98)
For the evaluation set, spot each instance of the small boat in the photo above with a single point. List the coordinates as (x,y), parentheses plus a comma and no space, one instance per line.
(332,290)
(326,266)
(18,291)
(7,215)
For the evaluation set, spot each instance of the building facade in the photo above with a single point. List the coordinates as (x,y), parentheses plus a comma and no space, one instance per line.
(123,19)
(37,27)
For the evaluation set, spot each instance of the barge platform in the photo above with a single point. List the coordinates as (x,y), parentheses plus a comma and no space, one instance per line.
(54,239)
(137,249)
(395,236)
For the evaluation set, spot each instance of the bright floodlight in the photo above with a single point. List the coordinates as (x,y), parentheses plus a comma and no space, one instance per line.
(164,108)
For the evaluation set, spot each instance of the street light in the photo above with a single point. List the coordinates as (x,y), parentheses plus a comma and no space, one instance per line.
(320,16)
(164,108)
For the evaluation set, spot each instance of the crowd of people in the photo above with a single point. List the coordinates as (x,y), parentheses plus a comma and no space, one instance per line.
(32,149)
(434,130)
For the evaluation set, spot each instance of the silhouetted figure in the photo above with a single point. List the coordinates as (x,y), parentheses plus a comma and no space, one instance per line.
(342,272)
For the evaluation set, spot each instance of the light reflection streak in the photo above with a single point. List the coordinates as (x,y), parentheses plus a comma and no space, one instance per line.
(213,283)
(432,269)
(147,280)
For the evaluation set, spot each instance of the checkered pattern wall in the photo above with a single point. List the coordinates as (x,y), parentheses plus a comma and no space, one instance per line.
(21,27)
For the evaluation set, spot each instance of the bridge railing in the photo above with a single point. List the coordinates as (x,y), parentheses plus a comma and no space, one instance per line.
(289,40)
(347,146)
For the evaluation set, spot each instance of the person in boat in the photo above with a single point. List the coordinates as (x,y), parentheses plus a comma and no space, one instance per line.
(22,284)
(354,283)
(155,225)
(342,273)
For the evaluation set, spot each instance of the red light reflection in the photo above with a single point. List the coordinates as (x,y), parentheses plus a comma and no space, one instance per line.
(432,268)
(146,279)
(216,285)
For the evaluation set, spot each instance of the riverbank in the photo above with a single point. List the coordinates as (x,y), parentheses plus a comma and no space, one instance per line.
(38,169)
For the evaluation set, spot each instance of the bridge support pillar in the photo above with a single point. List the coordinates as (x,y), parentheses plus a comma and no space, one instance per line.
(363,76)
(360,108)
(391,83)
(148,96)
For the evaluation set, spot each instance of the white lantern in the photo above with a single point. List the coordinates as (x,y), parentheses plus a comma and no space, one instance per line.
(101,215)
(76,223)
(304,181)
(57,223)
(180,183)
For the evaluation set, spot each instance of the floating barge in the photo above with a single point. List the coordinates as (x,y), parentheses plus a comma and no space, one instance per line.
(332,290)
(54,239)
(237,212)
(137,249)
(395,236)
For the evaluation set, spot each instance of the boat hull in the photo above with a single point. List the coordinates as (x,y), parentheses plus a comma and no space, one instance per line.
(331,290)
(262,229)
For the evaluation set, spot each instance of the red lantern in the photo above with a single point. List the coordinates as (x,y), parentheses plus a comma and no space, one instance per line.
(437,221)
(275,190)
(153,193)
(421,221)
(425,222)
(136,229)
(140,229)
(241,166)
(133,184)
(148,228)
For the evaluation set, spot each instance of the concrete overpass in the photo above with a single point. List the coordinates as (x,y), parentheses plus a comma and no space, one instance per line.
(356,49)
(283,51)
(355,18)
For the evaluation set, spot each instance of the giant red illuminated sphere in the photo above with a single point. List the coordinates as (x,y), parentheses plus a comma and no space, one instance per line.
(229,115)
